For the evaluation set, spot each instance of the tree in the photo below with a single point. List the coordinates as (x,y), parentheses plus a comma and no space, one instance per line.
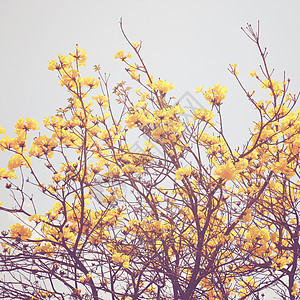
(187,217)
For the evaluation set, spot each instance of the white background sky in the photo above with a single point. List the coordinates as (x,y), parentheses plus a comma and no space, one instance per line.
(190,43)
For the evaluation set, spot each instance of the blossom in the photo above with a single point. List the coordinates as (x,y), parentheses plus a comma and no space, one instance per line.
(2,130)
(81,279)
(87,279)
(183,172)
(295,289)
(234,70)
(247,217)
(65,61)
(137,118)
(43,145)
(162,86)
(241,164)
(227,171)
(6,174)
(215,95)
(101,100)
(203,114)
(5,248)
(17,161)
(29,124)
(132,70)
(45,249)
(53,65)
(275,87)
(90,82)
(20,231)
(121,55)
(79,55)
(253,73)
(199,89)
(121,258)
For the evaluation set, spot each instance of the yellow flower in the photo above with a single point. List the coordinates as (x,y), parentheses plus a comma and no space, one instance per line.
(253,73)
(43,145)
(121,55)
(216,95)
(30,124)
(88,276)
(203,114)
(121,258)
(227,171)
(274,86)
(17,161)
(183,172)
(45,249)
(132,70)
(199,89)
(76,292)
(2,130)
(136,45)
(79,55)
(294,289)
(53,65)
(241,165)
(37,218)
(90,82)
(247,217)
(57,177)
(234,71)
(43,294)
(6,174)
(20,231)
(162,86)
(81,279)
(136,119)
(101,100)
(65,61)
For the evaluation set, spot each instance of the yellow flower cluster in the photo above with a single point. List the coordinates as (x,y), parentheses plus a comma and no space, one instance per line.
(86,279)
(43,145)
(70,76)
(247,285)
(29,124)
(196,209)
(121,258)
(204,115)
(45,248)
(17,161)
(20,231)
(234,71)
(132,70)
(182,172)
(275,87)
(162,86)
(214,95)
(121,55)
(6,174)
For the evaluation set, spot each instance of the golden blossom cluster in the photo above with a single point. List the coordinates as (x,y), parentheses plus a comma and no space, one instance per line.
(186,216)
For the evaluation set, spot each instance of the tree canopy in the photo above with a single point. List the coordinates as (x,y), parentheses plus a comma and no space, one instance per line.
(185,217)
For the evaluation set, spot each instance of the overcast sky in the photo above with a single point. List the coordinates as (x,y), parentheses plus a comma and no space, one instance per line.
(190,43)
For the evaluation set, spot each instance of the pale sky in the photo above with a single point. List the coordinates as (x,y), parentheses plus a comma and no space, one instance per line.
(190,43)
